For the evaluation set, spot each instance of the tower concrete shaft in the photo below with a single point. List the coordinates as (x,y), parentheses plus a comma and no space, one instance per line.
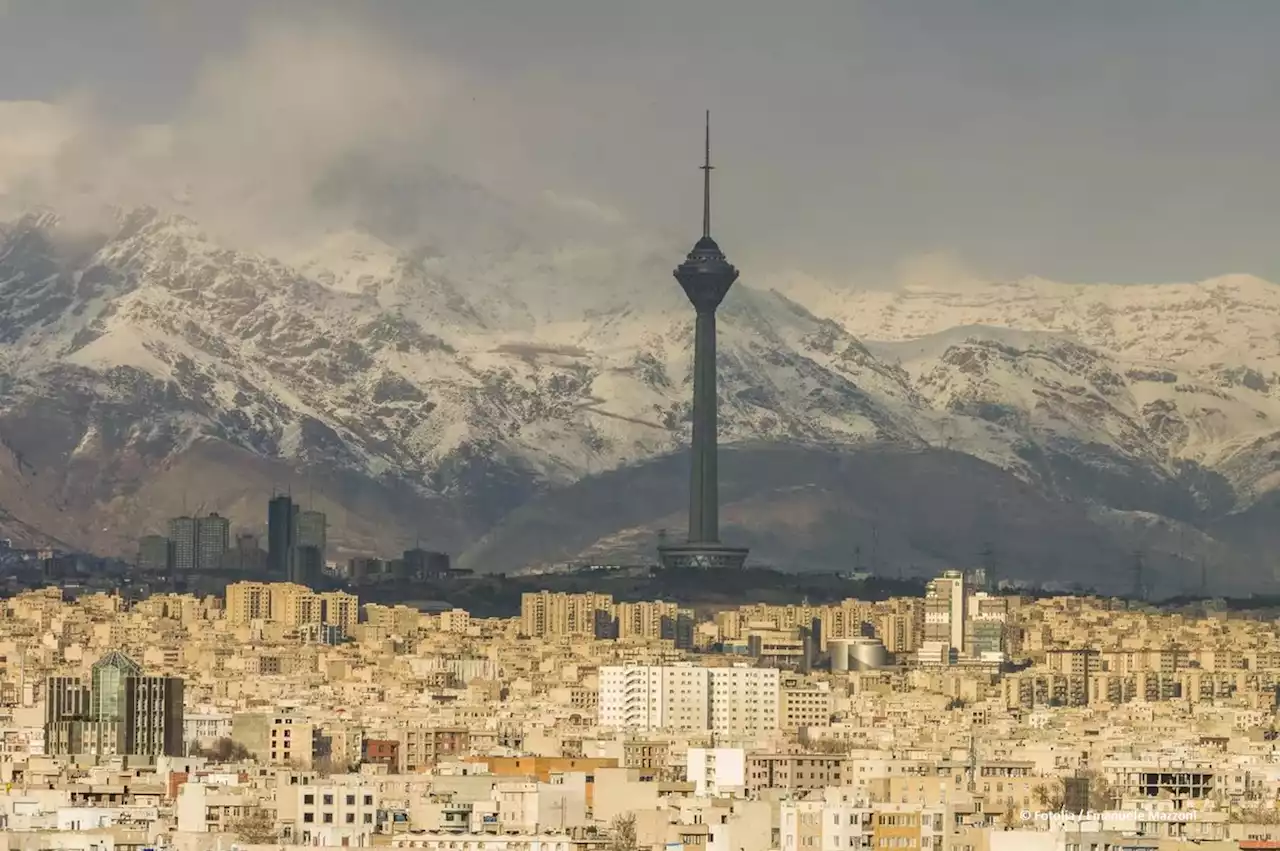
(704,487)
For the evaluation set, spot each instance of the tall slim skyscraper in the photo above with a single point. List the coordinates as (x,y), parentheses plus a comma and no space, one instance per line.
(706,277)
(282,534)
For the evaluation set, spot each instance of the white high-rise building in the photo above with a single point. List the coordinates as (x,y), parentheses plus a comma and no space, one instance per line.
(944,618)
(737,700)
(744,700)
(654,697)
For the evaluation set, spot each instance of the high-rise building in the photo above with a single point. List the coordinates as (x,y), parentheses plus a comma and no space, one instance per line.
(655,697)
(153,723)
(121,711)
(107,701)
(66,713)
(544,614)
(705,276)
(361,571)
(248,601)
(985,618)
(198,542)
(295,605)
(312,531)
(341,610)
(182,536)
(282,535)
(155,554)
(306,566)
(737,700)
(213,538)
(944,617)
(291,605)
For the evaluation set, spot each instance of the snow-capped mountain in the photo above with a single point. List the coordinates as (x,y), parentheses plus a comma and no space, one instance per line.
(467,397)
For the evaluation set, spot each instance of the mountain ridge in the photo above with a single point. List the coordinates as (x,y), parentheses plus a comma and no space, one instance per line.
(465,387)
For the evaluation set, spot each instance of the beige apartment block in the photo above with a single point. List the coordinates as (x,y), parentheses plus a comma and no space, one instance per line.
(295,605)
(248,601)
(803,703)
(340,609)
(647,620)
(290,605)
(544,614)
(384,621)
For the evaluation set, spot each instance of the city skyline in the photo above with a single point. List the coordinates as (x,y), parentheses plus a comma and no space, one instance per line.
(976,557)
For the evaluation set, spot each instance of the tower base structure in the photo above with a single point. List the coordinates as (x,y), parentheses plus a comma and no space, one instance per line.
(701,556)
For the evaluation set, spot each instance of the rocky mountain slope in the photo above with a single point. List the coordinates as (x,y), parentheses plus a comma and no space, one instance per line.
(479,400)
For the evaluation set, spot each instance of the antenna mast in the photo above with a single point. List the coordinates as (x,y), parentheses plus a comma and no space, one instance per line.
(706,182)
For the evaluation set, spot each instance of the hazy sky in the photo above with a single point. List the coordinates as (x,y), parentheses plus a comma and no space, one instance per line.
(1120,140)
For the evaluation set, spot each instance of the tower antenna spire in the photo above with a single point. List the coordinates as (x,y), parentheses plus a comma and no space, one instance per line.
(706,182)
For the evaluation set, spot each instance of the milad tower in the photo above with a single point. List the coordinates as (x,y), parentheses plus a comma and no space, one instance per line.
(705,275)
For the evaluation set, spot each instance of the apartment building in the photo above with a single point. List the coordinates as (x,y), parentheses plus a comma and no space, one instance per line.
(647,697)
(802,703)
(799,774)
(330,812)
(727,700)
(291,605)
(944,619)
(247,602)
(213,808)
(120,711)
(544,614)
(744,701)
(421,747)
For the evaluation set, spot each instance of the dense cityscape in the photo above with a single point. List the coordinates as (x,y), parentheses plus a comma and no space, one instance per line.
(284,712)
(968,719)
(992,570)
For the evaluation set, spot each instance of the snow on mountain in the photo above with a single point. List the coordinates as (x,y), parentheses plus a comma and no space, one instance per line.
(414,368)
(1196,366)
(489,375)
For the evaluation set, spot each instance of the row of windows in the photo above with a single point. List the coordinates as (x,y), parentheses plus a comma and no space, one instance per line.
(327,818)
(309,799)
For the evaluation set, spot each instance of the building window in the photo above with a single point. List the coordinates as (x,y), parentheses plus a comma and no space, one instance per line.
(308,799)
